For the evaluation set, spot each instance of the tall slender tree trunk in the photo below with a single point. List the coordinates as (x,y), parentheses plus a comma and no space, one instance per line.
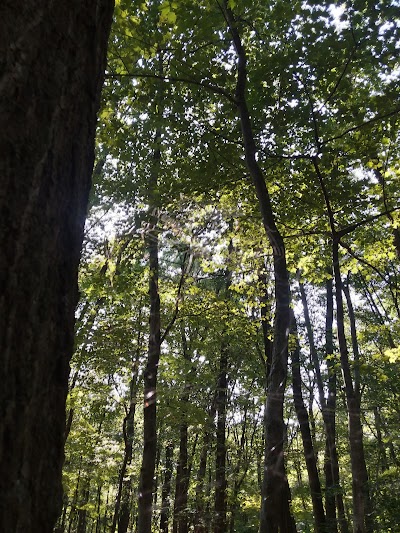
(362,517)
(276,515)
(382,462)
(328,408)
(220,507)
(146,483)
(166,488)
(74,501)
(122,501)
(147,471)
(82,511)
(98,508)
(53,59)
(180,523)
(360,483)
(334,492)
(354,340)
(220,504)
(201,516)
(309,453)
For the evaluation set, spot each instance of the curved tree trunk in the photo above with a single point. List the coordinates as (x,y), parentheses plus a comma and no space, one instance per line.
(53,58)
(276,515)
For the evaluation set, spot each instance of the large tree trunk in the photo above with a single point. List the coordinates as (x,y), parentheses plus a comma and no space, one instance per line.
(52,62)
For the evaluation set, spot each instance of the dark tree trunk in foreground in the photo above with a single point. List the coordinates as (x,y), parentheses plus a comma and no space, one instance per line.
(52,63)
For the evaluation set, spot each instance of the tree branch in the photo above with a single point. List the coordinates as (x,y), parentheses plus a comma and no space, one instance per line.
(208,86)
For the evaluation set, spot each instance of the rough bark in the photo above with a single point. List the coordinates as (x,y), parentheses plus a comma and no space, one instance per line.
(52,63)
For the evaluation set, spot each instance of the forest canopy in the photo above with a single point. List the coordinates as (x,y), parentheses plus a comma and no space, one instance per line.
(237,335)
